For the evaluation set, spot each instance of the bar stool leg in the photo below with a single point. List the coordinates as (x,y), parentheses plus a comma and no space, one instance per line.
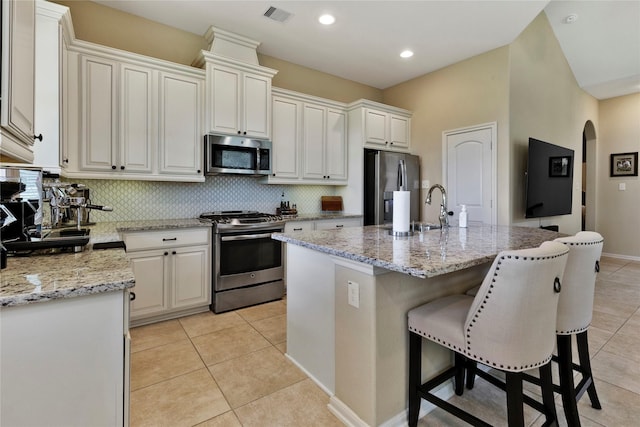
(585,368)
(546,385)
(515,410)
(415,377)
(567,388)
(460,362)
(472,365)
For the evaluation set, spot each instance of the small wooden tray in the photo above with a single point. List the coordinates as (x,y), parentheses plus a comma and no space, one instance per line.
(331,203)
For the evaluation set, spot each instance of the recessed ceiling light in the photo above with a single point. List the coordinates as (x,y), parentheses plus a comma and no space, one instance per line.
(570,19)
(406,54)
(326,19)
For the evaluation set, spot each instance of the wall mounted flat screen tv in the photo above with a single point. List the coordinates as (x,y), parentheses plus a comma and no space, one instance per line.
(549,180)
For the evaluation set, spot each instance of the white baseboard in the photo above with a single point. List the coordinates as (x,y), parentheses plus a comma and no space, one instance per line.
(307,373)
(618,256)
(351,419)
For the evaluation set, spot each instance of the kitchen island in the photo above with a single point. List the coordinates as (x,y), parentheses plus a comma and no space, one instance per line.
(348,294)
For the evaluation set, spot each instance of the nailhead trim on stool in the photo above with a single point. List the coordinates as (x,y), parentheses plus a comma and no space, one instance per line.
(512,298)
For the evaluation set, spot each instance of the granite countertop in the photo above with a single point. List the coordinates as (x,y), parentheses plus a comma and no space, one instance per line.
(423,255)
(40,278)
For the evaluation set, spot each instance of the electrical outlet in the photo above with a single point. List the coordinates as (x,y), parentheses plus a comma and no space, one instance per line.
(622,186)
(425,183)
(353,297)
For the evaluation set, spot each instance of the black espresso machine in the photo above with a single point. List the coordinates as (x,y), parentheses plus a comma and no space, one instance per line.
(21,215)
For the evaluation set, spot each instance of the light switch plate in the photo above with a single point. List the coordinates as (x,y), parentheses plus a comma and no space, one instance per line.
(353,296)
(622,186)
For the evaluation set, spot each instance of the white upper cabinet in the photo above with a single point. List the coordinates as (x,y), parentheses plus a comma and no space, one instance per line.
(380,126)
(309,140)
(335,150)
(131,117)
(238,98)
(116,108)
(17,79)
(136,118)
(180,124)
(49,77)
(99,109)
(287,133)
(314,121)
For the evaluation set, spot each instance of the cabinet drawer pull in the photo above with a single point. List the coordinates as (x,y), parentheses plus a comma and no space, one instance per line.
(297,229)
(172,239)
(339,226)
(38,137)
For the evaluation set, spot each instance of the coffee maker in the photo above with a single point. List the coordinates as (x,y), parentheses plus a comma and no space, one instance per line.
(21,200)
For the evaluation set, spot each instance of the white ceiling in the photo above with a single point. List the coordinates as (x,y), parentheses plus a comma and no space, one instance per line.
(602,46)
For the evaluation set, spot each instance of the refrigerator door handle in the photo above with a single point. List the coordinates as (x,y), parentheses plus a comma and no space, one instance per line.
(402,176)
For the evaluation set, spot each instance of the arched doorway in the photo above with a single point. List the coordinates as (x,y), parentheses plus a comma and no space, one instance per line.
(589,177)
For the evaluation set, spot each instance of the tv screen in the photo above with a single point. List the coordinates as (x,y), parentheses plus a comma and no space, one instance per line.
(549,180)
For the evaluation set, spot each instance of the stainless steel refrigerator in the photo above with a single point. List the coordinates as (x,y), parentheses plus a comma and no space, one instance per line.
(382,178)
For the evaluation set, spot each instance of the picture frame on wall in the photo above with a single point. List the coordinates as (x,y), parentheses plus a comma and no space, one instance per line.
(624,164)
(560,166)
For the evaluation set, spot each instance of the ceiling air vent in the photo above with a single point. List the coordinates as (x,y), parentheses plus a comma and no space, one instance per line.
(277,14)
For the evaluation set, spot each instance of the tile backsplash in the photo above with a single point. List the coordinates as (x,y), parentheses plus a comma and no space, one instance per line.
(139,200)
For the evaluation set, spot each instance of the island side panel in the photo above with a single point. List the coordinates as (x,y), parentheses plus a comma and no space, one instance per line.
(62,362)
(372,340)
(396,294)
(310,314)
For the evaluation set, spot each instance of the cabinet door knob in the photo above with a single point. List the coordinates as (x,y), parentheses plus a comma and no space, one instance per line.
(239,133)
(244,133)
(113,167)
(38,137)
(166,253)
(173,253)
(65,161)
(121,167)
(199,171)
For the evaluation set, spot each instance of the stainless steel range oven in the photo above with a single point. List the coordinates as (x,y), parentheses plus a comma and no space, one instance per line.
(247,263)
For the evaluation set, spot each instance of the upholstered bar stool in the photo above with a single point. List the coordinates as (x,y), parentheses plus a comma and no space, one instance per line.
(509,325)
(575,311)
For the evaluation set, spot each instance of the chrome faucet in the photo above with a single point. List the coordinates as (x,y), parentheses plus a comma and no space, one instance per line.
(444,214)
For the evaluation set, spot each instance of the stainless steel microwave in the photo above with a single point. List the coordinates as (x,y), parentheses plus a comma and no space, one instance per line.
(236,155)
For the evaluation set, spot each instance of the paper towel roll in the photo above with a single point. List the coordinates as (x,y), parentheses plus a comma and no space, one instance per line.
(401,211)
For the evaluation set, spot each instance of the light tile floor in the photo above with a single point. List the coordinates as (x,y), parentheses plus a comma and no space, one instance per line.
(230,370)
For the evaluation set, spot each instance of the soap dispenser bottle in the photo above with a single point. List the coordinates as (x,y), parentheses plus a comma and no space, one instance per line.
(462,218)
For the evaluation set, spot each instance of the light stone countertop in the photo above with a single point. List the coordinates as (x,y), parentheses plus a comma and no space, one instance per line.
(423,255)
(40,278)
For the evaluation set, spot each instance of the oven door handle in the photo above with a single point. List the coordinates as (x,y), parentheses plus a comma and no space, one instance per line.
(245,237)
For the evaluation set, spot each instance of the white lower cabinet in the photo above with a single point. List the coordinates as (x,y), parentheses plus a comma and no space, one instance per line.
(321,224)
(65,362)
(299,226)
(330,224)
(172,271)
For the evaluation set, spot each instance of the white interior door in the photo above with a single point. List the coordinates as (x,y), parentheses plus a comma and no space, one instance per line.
(469,168)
